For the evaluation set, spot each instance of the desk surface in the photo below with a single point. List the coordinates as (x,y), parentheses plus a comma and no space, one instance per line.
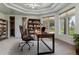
(44,34)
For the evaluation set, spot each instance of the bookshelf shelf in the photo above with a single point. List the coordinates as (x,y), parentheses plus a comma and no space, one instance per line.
(32,25)
(3,29)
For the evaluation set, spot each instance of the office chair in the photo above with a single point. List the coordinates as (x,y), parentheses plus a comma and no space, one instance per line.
(25,37)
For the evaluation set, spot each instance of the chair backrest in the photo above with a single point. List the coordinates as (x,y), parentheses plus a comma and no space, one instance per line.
(21,29)
(43,29)
(23,32)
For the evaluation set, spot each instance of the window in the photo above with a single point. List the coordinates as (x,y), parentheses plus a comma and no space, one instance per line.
(45,23)
(63,26)
(52,25)
(49,23)
(67,22)
(71,25)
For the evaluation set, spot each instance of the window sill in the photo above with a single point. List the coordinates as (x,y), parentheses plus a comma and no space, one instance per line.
(66,38)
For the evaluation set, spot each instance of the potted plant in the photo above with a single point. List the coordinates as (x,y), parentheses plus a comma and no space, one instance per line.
(76,37)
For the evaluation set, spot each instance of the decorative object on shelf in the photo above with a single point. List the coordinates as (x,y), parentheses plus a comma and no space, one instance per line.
(76,37)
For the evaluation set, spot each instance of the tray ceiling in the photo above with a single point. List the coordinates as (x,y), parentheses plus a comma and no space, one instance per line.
(38,9)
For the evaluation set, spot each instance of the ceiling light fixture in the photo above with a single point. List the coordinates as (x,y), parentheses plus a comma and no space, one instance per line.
(32,5)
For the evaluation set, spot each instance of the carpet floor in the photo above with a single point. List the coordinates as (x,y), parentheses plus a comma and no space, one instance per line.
(10,47)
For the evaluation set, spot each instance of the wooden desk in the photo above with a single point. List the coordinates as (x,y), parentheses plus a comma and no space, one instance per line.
(45,35)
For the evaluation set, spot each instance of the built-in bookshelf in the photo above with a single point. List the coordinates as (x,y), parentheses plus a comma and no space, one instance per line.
(32,25)
(3,29)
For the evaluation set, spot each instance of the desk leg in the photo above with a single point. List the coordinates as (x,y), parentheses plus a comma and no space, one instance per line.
(53,46)
(38,45)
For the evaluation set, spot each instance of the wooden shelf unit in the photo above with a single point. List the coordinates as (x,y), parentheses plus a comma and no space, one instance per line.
(3,29)
(32,25)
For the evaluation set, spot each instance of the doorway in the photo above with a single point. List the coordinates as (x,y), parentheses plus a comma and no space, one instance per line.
(12,26)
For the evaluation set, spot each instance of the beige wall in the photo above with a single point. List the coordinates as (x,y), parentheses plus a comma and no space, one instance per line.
(2,16)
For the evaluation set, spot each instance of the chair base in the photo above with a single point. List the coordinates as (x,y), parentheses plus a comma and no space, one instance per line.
(24,43)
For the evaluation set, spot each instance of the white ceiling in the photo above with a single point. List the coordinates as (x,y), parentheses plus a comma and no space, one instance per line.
(20,8)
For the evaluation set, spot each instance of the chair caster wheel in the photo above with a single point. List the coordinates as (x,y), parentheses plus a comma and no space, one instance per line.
(28,48)
(32,44)
(19,46)
(21,50)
